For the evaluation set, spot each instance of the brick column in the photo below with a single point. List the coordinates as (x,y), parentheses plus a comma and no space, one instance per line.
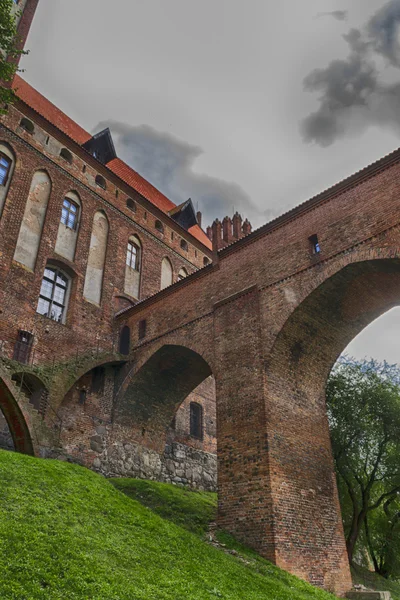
(276,480)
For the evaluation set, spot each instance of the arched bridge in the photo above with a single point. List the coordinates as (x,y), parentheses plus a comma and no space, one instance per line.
(268,319)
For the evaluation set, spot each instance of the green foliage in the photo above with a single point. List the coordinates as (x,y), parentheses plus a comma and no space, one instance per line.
(8,45)
(371,580)
(363,402)
(67,533)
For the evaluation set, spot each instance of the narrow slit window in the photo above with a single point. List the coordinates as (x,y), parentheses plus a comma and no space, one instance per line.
(196,420)
(142,329)
(315,246)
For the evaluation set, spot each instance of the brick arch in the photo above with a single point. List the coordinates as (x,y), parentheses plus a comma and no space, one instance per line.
(319,328)
(16,422)
(157,387)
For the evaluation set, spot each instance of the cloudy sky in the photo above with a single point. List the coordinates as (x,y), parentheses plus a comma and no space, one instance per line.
(248,105)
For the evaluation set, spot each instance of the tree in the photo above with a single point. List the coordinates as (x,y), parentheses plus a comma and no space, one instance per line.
(363,401)
(9,51)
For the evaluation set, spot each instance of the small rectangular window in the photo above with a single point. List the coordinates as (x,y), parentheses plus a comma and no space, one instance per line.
(142,329)
(315,247)
(23,347)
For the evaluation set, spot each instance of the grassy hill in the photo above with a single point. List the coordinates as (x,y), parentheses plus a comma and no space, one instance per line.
(68,533)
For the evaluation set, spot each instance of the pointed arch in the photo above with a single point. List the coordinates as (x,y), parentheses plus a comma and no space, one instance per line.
(30,232)
(16,422)
(166,273)
(7,166)
(133,267)
(68,227)
(97,256)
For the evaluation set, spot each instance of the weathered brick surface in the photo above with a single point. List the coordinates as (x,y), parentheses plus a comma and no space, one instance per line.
(267,319)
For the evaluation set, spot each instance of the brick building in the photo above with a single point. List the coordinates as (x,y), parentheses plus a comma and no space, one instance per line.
(84,236)
(131,341)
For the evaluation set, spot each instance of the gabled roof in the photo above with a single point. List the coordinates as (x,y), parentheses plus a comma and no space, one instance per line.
(59,119)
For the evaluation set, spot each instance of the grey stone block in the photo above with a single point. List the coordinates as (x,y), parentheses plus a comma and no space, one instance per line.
(367,595)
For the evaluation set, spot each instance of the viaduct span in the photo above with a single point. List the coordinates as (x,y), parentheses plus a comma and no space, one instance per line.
(268,319)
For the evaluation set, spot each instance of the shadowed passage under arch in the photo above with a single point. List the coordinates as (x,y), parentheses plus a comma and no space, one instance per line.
(16,422)
(156,390)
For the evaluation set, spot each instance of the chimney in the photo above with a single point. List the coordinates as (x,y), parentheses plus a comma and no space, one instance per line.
(227,232)
(237,226)
(198,217)
(246,228)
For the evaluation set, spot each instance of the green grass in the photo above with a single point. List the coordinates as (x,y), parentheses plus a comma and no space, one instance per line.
(189,509)
(375,582)
(67,533)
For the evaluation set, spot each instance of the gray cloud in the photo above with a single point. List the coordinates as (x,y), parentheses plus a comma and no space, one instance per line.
(352,95)
(339,15)
(167,162)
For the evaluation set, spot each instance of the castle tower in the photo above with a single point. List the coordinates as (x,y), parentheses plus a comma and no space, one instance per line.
(25,10)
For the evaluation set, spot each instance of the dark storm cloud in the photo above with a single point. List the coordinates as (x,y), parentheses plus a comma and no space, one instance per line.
(339,15)
(168,163)
(352,95)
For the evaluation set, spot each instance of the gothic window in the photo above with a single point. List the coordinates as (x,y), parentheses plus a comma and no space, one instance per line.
(69,213)
(184,245)
(196,420)
(23,347)
(101,182)
(131,204)
(133,255)
(5,167)
(66,155)
(53,294)
(132,267)
(182,274)
(125,340)
(166,273)
(159,226)
(27,125)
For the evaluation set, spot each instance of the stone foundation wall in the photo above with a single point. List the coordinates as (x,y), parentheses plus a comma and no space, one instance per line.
(179,464)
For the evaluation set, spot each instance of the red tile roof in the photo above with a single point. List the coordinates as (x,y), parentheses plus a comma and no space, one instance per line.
(49,111)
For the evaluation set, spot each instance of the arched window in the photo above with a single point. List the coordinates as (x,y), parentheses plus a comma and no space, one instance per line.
(132,268)
(66,155)
(182,274)
(70,213)
(100,181)
(125,340)
(5,168)
(27,125)
(7,164)
(131,204)
(159,226)
(30,232)
(184,245)
(206,261)
(68,228)
(97,256)
(53,295)
(166,273)
(196,420)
